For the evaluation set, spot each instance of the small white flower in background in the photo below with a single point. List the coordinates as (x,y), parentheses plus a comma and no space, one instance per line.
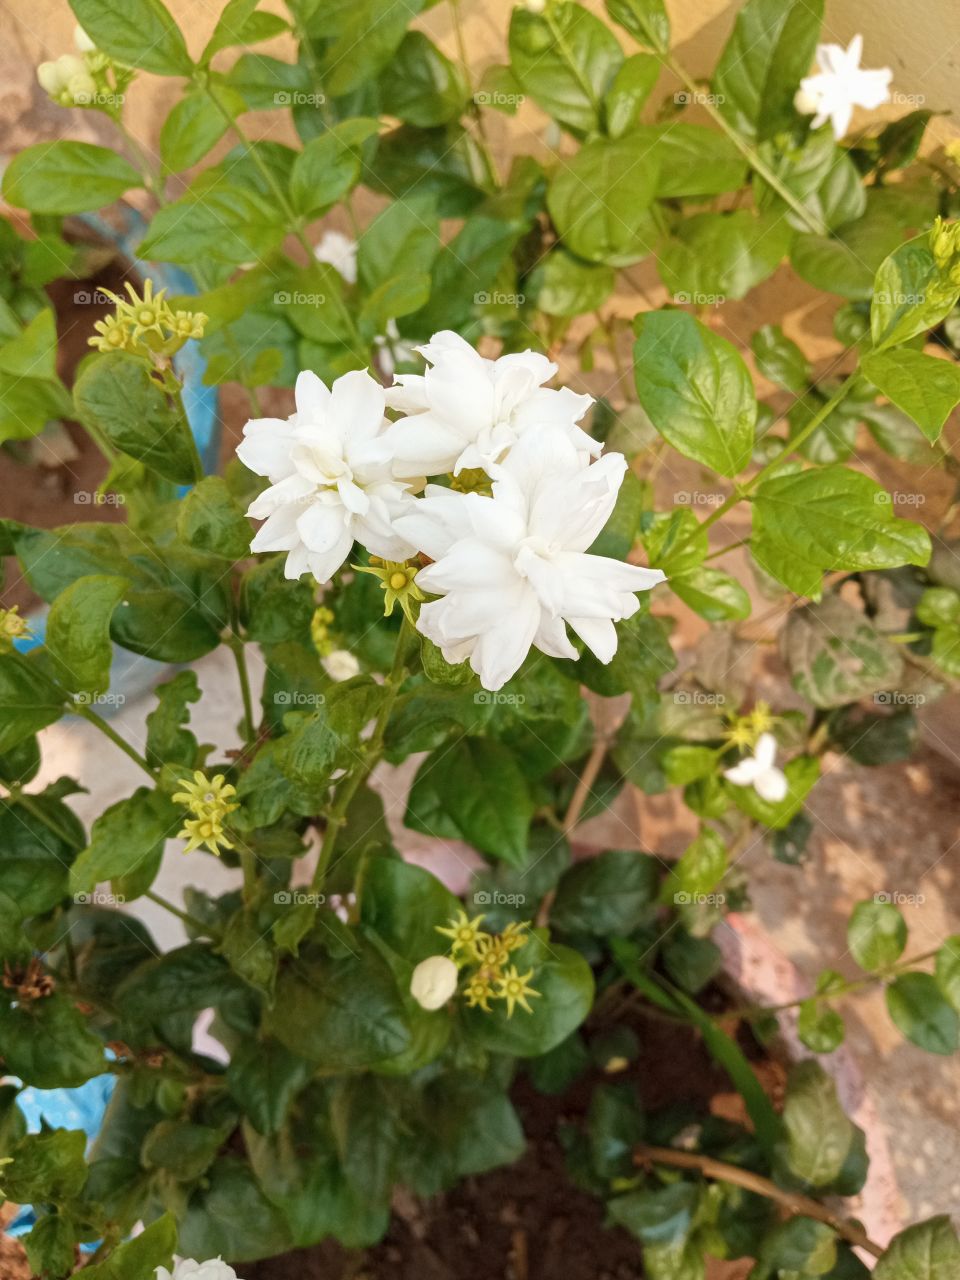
(340,665)
(512,569)
(466,411)
(340,252)
(392,349)
(190,1269)
(331,477)
(67,80)
(434,981)
(839,85)
(759,771)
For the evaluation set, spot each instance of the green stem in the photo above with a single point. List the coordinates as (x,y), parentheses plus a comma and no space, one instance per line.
(18,797)
(372,751)
(236,645)
(176,391)
(185,916)
(758,165)
(476,112)
(248,864)
(108,731)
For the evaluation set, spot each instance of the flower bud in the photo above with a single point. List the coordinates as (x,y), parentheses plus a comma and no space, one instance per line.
(535,6)
(82,40)
(807,103)
(434,981)
(51,81)
(340,665)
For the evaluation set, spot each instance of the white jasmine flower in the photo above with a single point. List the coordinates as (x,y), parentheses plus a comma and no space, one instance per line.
(434,981)
(190,1269)
(340,665)
(67,80)
(339,252)
(839,85)
(512,569)
(330,474)
(391,348)
(759,771)
(466,411)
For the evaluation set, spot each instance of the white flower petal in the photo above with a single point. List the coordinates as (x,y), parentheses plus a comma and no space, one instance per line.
(312,398)
(771,785)
(357,405)
(598,634)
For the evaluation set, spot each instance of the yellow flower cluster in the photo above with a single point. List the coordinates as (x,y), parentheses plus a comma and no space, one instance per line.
(146,324)
(320,625)
(12,627)
(486,958)
(745,730)
(398,583)
(209,800)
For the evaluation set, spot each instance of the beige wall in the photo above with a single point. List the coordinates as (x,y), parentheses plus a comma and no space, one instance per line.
(919,39)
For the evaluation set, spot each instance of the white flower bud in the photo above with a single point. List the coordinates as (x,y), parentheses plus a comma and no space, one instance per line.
(434,981)
(806,103)
(535,6)
(50,78)
(190,1269)
(82,40)
(340,665)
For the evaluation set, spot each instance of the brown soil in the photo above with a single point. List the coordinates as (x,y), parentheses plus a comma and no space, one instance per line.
(528,1221)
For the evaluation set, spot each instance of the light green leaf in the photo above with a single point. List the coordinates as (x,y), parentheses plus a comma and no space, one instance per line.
(876,934)
(835,654)
(226,224)
(714,256)
(780,359)
(922,1012)
(565,60)
(696,390)
(909,296)
(125,835)
(139,33)
(420,85)
(922,386)
(818,1133)
(564,285)
(33,352)
(78,632)
(29,700)
(632,86)
(926,1251)
(67,177)
(600,201)
(194,126)
(646,20)
(329,165)
(713,594)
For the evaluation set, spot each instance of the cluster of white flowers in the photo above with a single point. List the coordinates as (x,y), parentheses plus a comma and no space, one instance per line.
(839,85)
(510,567)
(190,1269)
(68,79)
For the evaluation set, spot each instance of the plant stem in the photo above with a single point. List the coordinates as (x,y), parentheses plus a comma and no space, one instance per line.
(236,645)
(790,1200)
(185,916)
(483,142)
(758,165)
(176,392)
(88,714)
(371,754)
(18,797)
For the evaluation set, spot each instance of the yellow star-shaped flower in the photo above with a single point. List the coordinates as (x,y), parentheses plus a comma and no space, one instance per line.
(465,935)
(514,988)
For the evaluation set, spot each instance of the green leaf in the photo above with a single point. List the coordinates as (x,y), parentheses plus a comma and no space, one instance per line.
(78,632)
(366,1133)
(420,85)
(404,905)
(612,893)
(264,1077)
(181,1149)
(876,934)
(116,393)
(403,238)
(240,23)
(806,522)
(926,1251)
(365,37)
(614,1126)
(798,1247)
(126,834)
(922,386)
(819,1027)
(565,982)
(563,285)
(947,970)
(646,20)
(29,700)
(845,263)
(713,594)
(211,520)
(138,33)
(761,66)
(566,61)
(329,165)
(473,791)
(835,654)
(47,1166)
(230,1216)
(695,389)
(909,296)
(693,160)
(921,1011)
(225,224)
(33,861)
(48,1044)
(342,1015)
(194,126)
(67,177)
(780,359)
(632,86)
(818,1133)
(50,1246)
(599,201)
(714,256)
(661,1216)
(33,352)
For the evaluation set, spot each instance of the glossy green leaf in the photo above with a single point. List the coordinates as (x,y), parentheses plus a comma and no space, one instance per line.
(138,33)
(67,177)
(922,386)
(78,633)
